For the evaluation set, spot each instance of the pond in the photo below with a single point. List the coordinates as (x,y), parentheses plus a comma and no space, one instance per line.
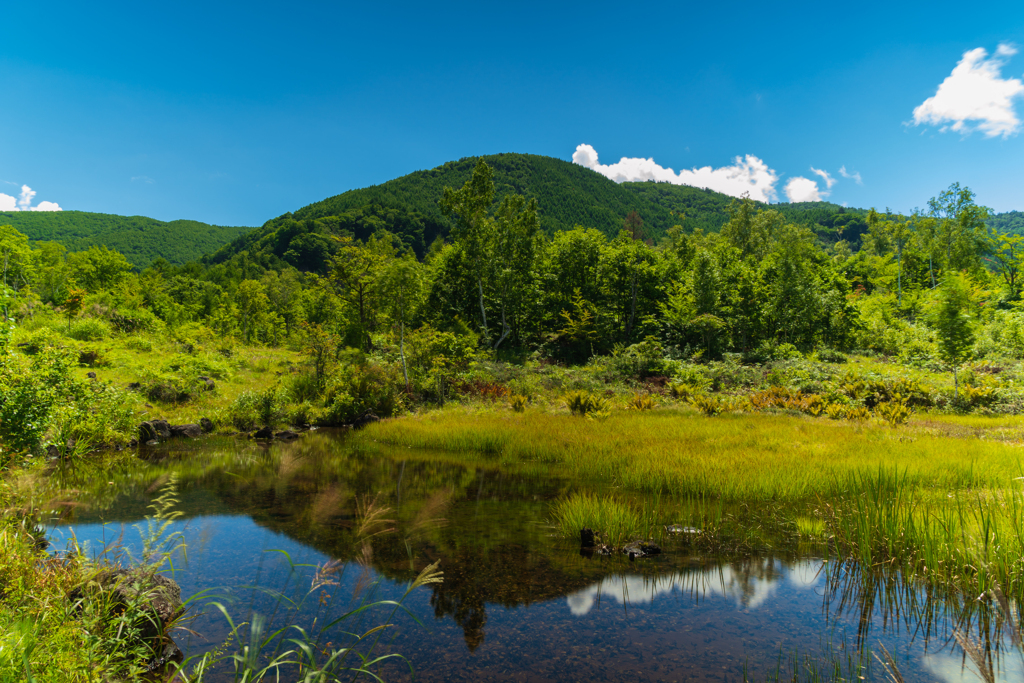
(302,532)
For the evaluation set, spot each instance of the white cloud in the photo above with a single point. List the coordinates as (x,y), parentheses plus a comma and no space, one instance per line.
(975,92)
(800,189)
(748,175)
(142,179)
(855,176)
(24,202)
(829,180)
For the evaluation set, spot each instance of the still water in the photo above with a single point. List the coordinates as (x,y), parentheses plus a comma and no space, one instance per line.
(303,532)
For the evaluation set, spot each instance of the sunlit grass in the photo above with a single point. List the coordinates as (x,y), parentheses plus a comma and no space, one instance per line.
(935,507)
(734,457)
(614,520)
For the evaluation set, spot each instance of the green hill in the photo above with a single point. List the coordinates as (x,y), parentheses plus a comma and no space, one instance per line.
(568,195)
(142,240)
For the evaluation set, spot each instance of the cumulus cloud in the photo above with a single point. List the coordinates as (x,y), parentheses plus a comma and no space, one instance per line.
(24,202)
(855,176)
(748,175)
(829,180)
(975,93)
(800,189)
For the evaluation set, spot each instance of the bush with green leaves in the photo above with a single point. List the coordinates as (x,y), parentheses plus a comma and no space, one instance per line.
(254,409)
(358,389)
(89,329)
(585,404)
(638,361)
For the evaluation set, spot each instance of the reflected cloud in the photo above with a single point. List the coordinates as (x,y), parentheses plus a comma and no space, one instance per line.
(951,668)
(749,586)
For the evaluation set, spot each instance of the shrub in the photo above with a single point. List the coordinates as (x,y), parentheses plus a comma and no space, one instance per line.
(256,409)
(359,389)
(639,360)
(640,402)
(139,344)
(89,329)
(708,405)
(835,411)
(304,413)
(518,402)
(302,387)
(827,355)
(895,413)
(857,414)
(585,404)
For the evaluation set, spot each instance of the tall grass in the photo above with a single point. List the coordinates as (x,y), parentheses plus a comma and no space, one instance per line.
(615,521)
(946,510)
(733,457)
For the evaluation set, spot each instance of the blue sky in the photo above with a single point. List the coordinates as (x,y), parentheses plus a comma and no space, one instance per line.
(234,113)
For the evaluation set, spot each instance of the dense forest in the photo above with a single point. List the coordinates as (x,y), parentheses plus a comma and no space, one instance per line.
(141,240)
(388,319)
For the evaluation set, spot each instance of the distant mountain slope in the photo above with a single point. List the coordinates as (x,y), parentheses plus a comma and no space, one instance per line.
(140,239)
(1011,221)
(568,195)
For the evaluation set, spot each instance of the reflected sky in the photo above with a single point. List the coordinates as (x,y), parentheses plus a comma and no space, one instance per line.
(745,591)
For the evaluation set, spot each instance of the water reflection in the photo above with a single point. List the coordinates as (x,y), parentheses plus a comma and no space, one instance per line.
(749,586)
(517,601)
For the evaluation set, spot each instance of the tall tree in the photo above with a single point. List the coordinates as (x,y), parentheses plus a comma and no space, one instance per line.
(953,325)
(470,206)
(960,231)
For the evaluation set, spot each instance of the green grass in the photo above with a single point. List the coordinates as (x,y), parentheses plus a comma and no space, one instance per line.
(938,508)
(615,521)
(736,457)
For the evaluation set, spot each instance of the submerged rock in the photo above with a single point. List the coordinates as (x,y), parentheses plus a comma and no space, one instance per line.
(641,549)
(586,538)
(286,434)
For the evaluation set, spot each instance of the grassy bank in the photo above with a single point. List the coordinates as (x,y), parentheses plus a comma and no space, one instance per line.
(943,508)
(734,457)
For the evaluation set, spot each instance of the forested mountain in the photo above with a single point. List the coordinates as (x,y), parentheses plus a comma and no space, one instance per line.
(568,195)
(1011,221)
(141,240)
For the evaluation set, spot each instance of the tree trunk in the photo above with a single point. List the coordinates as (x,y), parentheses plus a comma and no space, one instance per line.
(899,276)
(632,310)
(401,351)
(505,329)
(483,311)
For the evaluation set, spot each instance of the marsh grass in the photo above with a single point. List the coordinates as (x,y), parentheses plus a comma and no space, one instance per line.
(615,521)
(944,510)
(736,457)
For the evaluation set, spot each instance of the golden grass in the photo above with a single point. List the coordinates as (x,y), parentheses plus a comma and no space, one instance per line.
(734,457)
